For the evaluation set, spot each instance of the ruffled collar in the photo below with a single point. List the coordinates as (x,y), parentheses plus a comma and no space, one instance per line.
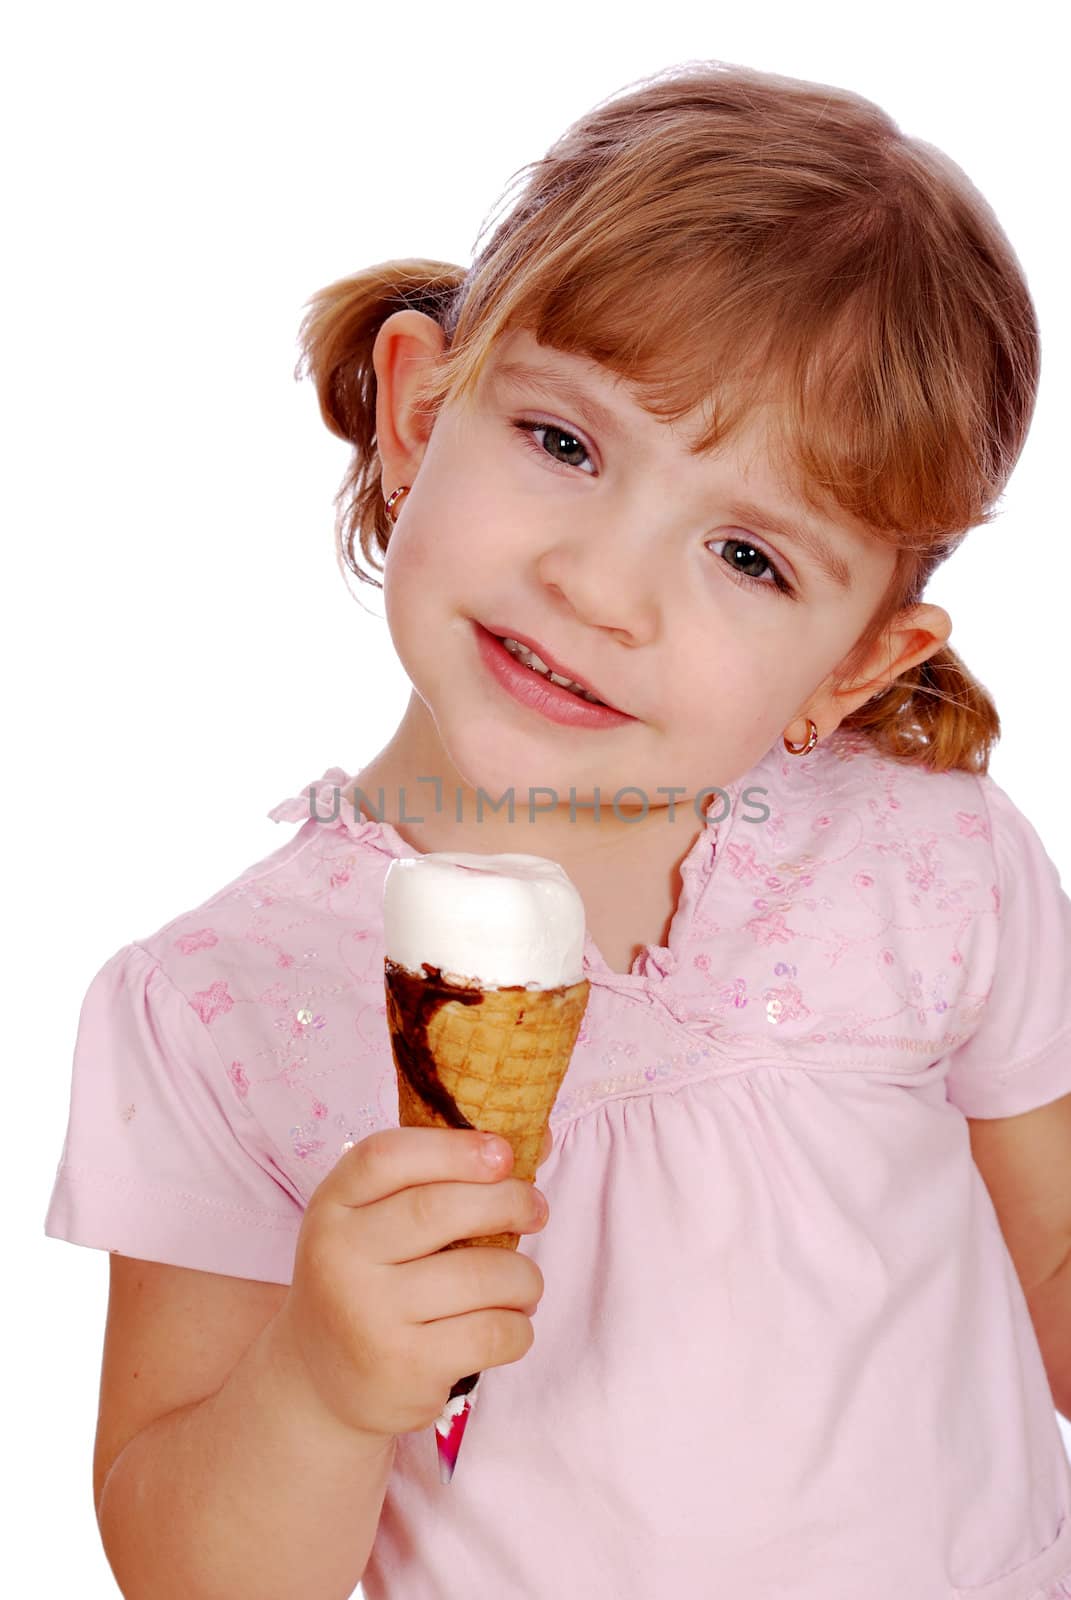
(322,802)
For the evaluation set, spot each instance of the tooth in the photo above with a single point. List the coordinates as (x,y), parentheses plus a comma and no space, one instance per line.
(536,663)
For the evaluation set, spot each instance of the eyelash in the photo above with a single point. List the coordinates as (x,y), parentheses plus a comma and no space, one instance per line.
(528,427)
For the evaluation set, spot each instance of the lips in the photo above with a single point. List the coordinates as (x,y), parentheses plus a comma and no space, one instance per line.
(553,662)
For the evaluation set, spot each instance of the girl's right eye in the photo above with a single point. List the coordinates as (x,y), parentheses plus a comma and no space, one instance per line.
(528,427)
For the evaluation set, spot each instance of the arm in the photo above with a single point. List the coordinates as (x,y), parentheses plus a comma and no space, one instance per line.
(1025,1162)
(1050,1312)
(251,1489)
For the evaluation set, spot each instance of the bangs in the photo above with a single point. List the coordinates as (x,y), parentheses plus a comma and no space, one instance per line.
(840,321)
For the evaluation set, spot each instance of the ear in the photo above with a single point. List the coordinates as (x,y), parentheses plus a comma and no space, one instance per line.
(407,346)
(912,636)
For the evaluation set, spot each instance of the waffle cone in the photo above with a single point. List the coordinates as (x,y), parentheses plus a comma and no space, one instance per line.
(491,1059)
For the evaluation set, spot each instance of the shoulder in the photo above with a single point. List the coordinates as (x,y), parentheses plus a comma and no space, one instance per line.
(846,805)
(853,905)
(297,908)
(847,765)
(281,973)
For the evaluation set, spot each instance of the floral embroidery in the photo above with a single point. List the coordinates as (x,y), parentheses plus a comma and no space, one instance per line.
(770,929)
(212,1003)
(742,859)
(972,825)
(732,994)
(785,1004)
(304,1142)
(275,995)
(236,1074)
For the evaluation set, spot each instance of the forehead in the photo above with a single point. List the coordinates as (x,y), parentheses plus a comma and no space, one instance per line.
(518,363)
(518,356)
(518,360)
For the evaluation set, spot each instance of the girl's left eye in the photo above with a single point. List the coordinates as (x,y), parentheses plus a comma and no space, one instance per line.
(776,583)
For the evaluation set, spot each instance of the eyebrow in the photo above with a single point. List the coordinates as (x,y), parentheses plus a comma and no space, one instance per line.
(517,373)
(813,543)
(762,519)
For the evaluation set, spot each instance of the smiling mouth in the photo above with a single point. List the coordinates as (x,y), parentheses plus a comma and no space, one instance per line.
(527,656)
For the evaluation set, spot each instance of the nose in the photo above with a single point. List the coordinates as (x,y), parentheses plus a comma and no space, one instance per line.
(603,583)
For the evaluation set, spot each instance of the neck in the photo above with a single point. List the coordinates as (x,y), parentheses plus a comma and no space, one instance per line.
(413,785)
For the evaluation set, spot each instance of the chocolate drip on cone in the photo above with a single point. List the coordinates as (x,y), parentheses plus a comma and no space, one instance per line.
(412,1001)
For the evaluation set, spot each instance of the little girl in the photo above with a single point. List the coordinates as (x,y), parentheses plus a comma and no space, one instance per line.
(659,483)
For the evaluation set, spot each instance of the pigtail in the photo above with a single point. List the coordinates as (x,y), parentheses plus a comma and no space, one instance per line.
(336,337)
(936,714)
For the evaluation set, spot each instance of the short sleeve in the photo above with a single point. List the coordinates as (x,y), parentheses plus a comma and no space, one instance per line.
(155,1163)
(1019,1056)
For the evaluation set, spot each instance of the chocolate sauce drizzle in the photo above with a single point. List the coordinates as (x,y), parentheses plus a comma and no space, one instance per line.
(412,1003)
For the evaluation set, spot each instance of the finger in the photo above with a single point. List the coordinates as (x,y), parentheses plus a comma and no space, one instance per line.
(479,1339)
(394,1159)
(426,1218)
(455,1282)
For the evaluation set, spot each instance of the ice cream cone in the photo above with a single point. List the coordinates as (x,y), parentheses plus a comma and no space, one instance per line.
(491,1059)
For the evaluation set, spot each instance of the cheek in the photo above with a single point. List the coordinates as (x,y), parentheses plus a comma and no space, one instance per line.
(702,713)
(725,687)
(411,583)
(717,666)
(424,548)
(431,577)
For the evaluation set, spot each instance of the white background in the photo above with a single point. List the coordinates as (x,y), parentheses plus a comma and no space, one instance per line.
(182,651)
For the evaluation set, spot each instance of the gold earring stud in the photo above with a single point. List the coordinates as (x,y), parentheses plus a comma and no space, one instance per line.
(807,746)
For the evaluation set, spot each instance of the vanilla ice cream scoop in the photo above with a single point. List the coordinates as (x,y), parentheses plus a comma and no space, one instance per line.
(491,921)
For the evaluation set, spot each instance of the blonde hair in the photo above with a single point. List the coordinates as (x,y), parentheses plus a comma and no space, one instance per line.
(721,236)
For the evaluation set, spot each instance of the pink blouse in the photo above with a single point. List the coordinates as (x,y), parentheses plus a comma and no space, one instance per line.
(782,1349)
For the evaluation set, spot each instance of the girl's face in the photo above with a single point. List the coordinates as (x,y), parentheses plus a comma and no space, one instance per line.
(584,525)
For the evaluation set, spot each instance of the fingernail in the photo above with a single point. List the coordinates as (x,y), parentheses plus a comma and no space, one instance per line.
(495,1151)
